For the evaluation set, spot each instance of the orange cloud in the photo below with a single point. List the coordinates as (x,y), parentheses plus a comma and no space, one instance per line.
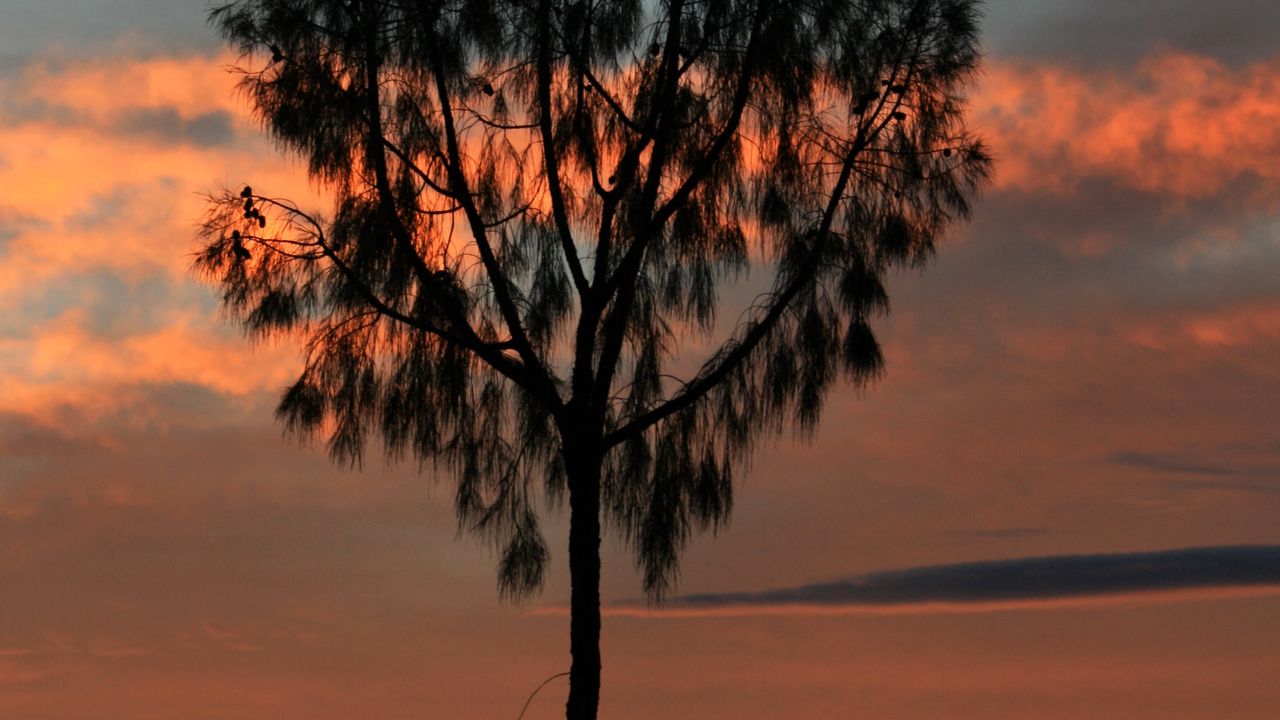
(1234,327)
(1177,124)
(100,180)
(186,350)
(106,189)
(191,84)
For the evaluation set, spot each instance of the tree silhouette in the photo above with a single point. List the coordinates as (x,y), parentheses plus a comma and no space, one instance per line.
(537,204)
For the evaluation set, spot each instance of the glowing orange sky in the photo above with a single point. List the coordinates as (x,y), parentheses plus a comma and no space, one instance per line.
(1089,367)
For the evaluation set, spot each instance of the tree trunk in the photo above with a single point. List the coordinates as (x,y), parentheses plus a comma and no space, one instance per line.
(584,580)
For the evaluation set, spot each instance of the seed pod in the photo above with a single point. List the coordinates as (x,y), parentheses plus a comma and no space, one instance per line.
(246,192)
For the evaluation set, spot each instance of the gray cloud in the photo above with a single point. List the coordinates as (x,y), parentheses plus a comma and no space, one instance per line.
(89,28)
(1022,579)
(14,224)
(1204,254)
(1099,32)
(1168,464)
(1227,467)
(115,305)
(167,125)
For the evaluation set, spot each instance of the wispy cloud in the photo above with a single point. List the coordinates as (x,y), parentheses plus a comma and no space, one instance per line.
(1005,533)
(1168,464)
(1003,584)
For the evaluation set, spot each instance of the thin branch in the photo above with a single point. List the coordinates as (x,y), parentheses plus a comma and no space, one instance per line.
(550,161)
(538,381)
(629,268)
(734,353)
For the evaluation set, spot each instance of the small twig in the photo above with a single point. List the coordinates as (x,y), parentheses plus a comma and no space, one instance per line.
(535,692)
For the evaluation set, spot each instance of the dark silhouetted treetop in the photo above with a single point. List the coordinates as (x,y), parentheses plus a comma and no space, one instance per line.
(537,205)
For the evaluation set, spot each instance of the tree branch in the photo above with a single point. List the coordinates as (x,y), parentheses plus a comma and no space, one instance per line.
(551,162)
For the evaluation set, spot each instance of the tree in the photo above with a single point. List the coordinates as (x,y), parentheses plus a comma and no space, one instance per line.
(538,202)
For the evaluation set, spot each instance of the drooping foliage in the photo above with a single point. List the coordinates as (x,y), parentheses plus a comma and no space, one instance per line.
(537,205)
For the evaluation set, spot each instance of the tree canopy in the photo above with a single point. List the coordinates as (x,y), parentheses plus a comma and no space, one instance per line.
(537,206)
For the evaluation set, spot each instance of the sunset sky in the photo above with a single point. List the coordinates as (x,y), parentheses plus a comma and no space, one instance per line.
(1091,367)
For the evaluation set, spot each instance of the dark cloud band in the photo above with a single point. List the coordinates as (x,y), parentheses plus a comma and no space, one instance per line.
(1023,579)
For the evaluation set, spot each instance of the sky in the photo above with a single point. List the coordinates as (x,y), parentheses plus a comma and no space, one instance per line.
(1061,501)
